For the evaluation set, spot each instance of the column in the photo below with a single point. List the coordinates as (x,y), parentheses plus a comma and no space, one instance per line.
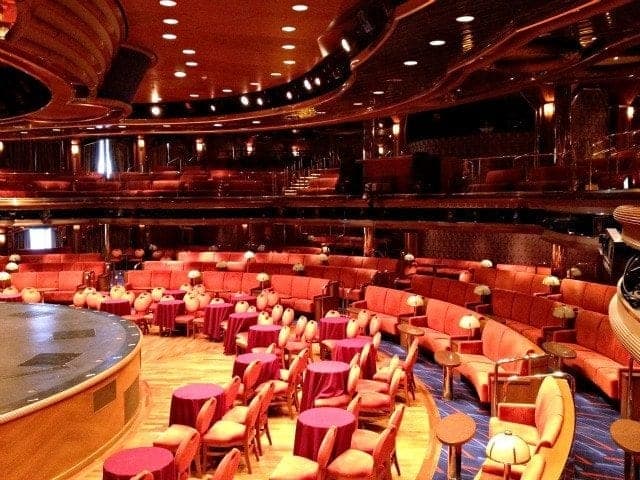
(369,242)
(558,260)
(107,241)
(398,130)
(74,156)
(139,154)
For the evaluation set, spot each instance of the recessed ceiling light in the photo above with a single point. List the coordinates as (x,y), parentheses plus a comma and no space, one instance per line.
(180,74)
(300,7)
(168,3)
(194,95)
(357,104)
(191,64)
(227,90)
(212,107)
(289,95)
(170,21)
(317,81)
(437,43)
(217,124)
(288,29)
(289,62)
(189,51)
(345,45)
(88,128)
(99,127)
(465,18)
(276,74)
(307,84)
(256,122)
(410,63)
(24,132)
(378,92)
(122,126)
(616,58)
(288,46)
(166,125)
(55,130)
(259,101)
(169,36)
(254,84)
(156,110)
(244,100)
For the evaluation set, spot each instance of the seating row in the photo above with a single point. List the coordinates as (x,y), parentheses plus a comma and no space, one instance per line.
(586,295)
(445,289)
(525,282)
(536,179)
(56,287)
(98,267)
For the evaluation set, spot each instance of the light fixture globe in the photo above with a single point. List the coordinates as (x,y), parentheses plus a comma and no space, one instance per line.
(486,263)
(11,267)
(325,249)
(249,255)
(262,277)
(5,279)
(482,290)
(552,282)
(508,449)
(324,258)
(469,322)
(415,301)
(565,312)
(409,257)
(15,258)
(194,276)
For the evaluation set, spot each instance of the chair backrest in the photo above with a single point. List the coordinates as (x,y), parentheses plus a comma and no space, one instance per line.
(217,300)
(252,308)
(264,319)
(396,378)
(241,306)
(295,370)
(271,348)
(374,325)
(227,467)
(310,330)
(352,328)
(231,392)
(205,415)
(396,417)
(273,298)
(252,412)
(277,312)
(352,381)
(185,454)
(283,336)
(363,320)
(262,300)
(301,324)
(412,355)
(364,355)
(354,406)
(384,447)
(144,475)
(287,316)
(251,375)
(326,448)
(355,360)
(375,341)
(267,396)
(332,313)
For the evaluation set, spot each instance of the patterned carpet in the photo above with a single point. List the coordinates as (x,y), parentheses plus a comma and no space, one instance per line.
(595,456)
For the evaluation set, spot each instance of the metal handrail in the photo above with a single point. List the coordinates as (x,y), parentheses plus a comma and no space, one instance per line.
(529,357)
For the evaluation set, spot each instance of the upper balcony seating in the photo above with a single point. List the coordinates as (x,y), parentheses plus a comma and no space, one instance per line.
(444,267)
(499,181)
(524,282)
(548,178)
(445,289)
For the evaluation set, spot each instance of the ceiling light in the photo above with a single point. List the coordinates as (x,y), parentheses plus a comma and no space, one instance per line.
(288,29)
(191,63)
(166,125)
(217,124)
(276,74)
(437,43)
(259,101)
(378,92)
(168,3)
(254,84)
(256,122)
(465,18)
(300,7)
(289,62)
(307,84)
(180,74)
(227,90)
(24,132)
(156,110)
(170,21)
(169,36)
(288,46)
(88,128)
(345,45)
(616,58)
(99,127)
(189,51)
(244,100)
(212,108)
(55,130)
(289,95)
(410,63)
(122,126)
(317,81)
(194,95)
(357,104)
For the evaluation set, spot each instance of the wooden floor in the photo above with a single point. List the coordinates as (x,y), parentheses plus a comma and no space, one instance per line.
(168,362)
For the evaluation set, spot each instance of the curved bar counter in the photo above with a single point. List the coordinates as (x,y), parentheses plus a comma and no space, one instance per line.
(70,386)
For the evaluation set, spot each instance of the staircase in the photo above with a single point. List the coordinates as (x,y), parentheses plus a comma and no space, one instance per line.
(302,183)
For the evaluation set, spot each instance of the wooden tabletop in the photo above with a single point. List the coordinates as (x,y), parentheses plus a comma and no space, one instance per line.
(447,358)
(558,350)
(456,429)
(410,329)
(626,433)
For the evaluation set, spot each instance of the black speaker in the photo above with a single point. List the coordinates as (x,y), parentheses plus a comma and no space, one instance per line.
(125,74)
(427,170)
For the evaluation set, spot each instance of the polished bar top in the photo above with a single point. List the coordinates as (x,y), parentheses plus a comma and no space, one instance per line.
(49,350)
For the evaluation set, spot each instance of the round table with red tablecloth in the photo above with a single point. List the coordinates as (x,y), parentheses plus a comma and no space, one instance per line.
(166,312)
(126,463)
(311,426)
(237,322)
(270,366)
(214,315)
(323,379)
(263,335)
(345,349)
(187,400)
(333,328)
(116,306)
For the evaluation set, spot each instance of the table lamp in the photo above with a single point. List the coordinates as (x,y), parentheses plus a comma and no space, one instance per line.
(564,312)
(325,249)
(5,279)
(195,277)
(469,322)
(415,301)
(262,277)
(552,282)
(324,258)
(483,291)
(508,449)
(486,263)
(409,257)
(11,267)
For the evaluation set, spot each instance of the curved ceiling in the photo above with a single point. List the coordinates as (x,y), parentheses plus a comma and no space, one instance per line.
(432,54)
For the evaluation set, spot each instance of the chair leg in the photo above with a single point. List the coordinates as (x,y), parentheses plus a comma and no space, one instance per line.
(267,431)
(258,440)
(395,462)
(406,391)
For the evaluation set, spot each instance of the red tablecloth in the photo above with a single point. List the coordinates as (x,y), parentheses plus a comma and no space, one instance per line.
(124,464)
(214,314)
(333,327)
(262,335)
(116,306)
(345,349)
(187,400)
(16,297)
(175,293)
(323,379)
(166,312)
(311,426)
(237,297)
(237,322)
(270,365)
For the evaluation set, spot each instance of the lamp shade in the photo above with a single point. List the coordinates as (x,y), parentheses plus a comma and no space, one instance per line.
(415,301)
(193,274)
(482,290)
(551,281)
(325,249)
(564,311)
(15,258)
(408,257)
(11,267)
(575,272)
(323,257)
(486,263)
(4,276)
(249,255)
(508,449)
(469,322)
(262,277)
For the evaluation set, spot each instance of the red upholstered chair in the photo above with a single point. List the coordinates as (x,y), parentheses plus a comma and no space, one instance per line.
(384,373)
(141,315)
(250,381)
(342,401)
(286,391)
(262,300)
(225,434)
(176,434)
(375,404)
(366,440)
(355,464)
(228,466)
(276,312)
(185,454)
(301,468)
(231,392)
(308,336)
